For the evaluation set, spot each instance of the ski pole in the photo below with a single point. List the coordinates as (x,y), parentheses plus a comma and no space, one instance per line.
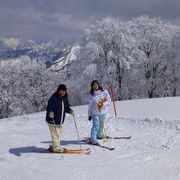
(103,131)
(104,135)
(77,130)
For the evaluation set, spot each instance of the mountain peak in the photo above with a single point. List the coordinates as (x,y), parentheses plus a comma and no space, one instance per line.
(9,43)
(68,56)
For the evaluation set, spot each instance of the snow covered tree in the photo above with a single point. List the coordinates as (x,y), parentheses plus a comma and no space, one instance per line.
(107,51)
(134,56)
(154,39)
(25,86)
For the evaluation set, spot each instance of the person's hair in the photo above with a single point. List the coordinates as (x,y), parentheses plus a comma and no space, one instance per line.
(99,87)
(61,87)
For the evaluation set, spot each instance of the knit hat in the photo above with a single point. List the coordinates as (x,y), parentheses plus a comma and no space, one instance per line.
(61,87)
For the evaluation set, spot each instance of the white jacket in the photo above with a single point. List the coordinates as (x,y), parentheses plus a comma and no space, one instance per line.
(93,102)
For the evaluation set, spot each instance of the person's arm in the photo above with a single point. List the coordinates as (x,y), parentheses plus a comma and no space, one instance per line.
(50,108)
(107,98)
(90,107)
(69,110)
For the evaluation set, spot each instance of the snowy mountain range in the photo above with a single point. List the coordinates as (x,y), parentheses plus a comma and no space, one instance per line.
(52,53)
(152,153)
(66,57)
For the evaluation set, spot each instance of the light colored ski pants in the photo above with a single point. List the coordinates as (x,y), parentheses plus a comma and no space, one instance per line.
(98,125)
(56,132)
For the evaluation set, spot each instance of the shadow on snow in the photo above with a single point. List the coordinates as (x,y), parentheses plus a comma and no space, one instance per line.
(33,149)
(29,149)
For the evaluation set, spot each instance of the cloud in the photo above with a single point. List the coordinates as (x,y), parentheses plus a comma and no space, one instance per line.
(51,19)
(70,22)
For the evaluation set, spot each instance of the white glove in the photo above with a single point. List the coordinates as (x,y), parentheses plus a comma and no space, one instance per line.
(51,114)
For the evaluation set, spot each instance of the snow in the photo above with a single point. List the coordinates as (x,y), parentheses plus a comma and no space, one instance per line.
(70,55)
(152,152)
(156,107)
(11,43)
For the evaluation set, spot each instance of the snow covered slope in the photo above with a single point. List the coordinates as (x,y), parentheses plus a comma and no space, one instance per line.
(66,58)
(151,154)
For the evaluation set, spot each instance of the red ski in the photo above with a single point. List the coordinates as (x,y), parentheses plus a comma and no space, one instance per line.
(71,151)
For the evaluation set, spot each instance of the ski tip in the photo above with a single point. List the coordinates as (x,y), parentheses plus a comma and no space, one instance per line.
(128,137)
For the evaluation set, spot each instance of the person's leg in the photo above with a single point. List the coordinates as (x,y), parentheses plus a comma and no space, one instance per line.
(101,131)
(95,127)
(55,132)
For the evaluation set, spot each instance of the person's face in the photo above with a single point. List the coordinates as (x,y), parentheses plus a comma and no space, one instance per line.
(62,93)
(95,87)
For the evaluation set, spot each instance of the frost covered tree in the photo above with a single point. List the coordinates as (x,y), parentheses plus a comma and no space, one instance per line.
(174,69)
(107,53)
(25,86)
(135,56)
(154,38)
(82,72)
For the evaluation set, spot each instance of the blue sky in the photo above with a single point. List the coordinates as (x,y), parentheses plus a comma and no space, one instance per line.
(43,20)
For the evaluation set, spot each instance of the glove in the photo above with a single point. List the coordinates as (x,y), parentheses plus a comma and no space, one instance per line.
(72,113)
(51,114)
(89,118)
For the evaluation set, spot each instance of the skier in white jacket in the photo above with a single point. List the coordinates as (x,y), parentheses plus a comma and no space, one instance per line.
(99,100)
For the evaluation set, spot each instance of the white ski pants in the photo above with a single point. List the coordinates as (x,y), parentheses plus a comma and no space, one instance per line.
(56,132)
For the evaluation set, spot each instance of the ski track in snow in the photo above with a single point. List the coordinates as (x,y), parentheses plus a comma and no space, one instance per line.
(147,155)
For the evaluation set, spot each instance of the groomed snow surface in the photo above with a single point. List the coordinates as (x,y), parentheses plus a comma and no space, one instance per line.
(153,152)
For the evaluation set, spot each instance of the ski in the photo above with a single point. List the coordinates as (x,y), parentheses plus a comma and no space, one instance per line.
(118,137)
(99,145)
(105,147)
(71,151)
(113,137)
